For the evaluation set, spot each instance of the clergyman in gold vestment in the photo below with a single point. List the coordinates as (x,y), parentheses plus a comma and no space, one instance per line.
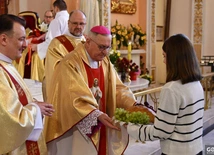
(77,126)
(57,49)
(20,116)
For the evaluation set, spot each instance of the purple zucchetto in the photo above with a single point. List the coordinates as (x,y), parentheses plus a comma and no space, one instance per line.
(100,30)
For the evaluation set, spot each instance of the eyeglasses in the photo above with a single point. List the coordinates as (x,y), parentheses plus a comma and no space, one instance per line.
(48,16)
(76,23)
(101,47)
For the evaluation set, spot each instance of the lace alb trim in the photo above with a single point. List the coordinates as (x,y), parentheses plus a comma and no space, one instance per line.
(85,125)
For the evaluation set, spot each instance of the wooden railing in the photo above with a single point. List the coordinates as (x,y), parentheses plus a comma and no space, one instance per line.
(208,85)
(153,92)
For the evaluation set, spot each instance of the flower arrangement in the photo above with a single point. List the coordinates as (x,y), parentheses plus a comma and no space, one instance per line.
(132,33)
(125,65)
(133,67)
(121,34)
(43,27)
(114,56)
(138,36)
(146,76)
(122,65)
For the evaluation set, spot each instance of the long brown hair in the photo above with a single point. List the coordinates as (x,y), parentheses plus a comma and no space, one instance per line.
(181,61)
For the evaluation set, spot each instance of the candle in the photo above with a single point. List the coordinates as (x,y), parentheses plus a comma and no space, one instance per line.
(114,42)
(129,50)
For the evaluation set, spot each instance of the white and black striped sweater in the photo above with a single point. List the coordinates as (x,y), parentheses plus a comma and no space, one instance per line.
(179,120)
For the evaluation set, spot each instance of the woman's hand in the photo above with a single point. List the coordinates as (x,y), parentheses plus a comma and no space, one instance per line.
(46,108)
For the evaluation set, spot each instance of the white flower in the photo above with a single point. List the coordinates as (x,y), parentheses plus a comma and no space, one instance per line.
(43,27)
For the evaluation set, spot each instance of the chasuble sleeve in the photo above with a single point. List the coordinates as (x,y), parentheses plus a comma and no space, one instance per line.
(17,121)
(56,52)
(70,95)
(124,97)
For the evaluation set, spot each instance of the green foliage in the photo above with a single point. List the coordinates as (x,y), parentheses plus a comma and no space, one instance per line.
(133,117)
(114,56)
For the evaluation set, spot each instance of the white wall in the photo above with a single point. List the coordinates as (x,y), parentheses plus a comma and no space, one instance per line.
(180,20)
(39,6)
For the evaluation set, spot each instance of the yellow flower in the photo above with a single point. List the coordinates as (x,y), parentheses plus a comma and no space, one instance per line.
(137,35)
(118,27)
(120,32)
(113,30)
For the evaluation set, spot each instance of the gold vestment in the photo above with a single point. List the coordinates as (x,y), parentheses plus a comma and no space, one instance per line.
(37,65)
(17,121)
(73,99)
(56,51)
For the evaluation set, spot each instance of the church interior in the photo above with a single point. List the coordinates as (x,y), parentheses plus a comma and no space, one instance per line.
(157,20)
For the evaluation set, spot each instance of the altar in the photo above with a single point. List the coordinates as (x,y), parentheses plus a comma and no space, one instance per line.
(138,84)
(135,55)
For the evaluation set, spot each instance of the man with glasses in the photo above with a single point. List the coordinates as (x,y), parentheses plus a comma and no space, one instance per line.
(62,45)
(57,27)
(48,17)
(80,124)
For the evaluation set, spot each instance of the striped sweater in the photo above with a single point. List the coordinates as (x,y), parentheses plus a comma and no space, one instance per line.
(179,120)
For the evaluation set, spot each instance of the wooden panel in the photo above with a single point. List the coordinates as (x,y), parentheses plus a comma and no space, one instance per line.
(3,8)
(198,51)
(71,4)
(153,73)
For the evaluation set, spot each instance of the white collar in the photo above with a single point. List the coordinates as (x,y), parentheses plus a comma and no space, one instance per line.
(71,35)
(5,58)
(92,63)
(61,13)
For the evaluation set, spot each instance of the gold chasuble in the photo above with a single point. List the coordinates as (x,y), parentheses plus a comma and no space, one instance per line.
(77,90)
(17,121)
(58,48)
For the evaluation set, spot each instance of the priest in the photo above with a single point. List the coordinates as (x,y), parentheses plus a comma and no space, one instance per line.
(81,125)
(64,44)
(21,115)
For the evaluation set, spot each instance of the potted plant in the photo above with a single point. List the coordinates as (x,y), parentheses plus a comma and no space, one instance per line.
(125,66)
(134,71)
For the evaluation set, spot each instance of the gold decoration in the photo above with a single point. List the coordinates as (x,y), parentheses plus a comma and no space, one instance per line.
(123,6)
(153,25)
(105,13)
(198,21)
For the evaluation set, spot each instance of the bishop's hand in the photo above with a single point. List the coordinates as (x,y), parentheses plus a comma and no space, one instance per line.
(107,121)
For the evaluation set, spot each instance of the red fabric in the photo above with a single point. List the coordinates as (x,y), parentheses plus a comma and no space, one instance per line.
(32,147)
(29,55)
(66,43)
(92,74)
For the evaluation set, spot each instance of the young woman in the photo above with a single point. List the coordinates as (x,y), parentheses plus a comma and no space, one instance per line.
(179,120)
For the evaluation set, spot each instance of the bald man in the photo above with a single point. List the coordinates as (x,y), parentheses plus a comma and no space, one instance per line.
(58,49)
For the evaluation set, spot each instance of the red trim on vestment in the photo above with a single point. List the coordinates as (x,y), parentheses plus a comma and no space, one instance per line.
(66,43)
(93,73)
(31,146)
